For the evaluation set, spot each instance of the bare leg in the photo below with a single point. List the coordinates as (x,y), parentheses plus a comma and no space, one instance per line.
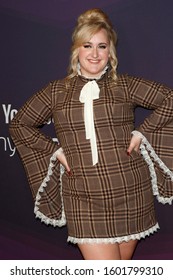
(100,251)
(127,249)
(116,251)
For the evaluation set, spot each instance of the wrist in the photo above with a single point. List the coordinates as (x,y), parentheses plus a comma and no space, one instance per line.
(137,133)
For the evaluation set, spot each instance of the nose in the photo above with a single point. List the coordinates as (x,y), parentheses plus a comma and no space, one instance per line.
(95,52)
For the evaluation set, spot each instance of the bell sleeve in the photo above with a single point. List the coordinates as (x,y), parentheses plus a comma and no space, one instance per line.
(38,153)
(156,133)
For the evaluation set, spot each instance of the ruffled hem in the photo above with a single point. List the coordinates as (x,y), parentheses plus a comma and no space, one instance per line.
(145,149)
(62,221)
(136,236)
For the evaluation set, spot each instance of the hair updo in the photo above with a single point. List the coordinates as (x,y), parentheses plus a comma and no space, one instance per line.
(88,24)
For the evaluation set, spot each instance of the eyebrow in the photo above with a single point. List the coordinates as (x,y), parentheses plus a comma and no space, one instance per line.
(101,43)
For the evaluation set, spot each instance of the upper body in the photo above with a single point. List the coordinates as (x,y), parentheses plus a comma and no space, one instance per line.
(113,120)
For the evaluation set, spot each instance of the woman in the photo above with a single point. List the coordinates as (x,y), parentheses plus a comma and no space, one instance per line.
(105,191)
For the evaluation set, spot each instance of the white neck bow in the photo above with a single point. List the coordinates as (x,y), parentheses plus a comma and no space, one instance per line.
(90,92)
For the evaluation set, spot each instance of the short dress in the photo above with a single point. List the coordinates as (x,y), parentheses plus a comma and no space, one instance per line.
(111,200)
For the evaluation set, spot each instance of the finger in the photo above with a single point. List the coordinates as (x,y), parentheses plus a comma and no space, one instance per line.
(130,149)
(136,149)
(69,173)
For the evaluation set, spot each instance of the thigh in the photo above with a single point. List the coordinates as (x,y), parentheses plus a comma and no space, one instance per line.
(100,251)
(127,249)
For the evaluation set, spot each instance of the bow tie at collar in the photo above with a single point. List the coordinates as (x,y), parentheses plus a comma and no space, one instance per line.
(90,92)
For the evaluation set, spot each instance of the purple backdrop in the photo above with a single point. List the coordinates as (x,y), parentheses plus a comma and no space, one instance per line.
(35,48)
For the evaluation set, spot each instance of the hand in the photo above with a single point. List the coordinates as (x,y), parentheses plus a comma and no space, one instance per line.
(134,144)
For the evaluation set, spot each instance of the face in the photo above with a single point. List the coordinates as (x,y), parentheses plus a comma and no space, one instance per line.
(94,55)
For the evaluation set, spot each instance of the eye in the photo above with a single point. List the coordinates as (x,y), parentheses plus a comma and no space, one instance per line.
(87,46)
(102,46)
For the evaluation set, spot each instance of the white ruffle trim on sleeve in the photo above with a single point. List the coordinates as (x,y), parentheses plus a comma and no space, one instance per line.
(62,221)
(149,156)
(136,236)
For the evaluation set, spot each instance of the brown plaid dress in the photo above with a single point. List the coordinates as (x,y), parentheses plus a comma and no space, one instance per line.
(111,201)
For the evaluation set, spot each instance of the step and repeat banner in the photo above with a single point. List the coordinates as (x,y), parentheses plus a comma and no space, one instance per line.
(35,49)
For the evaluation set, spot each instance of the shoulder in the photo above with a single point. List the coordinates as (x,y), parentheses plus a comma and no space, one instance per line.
(57,85)
(62,85)
(137,80)
(125,79)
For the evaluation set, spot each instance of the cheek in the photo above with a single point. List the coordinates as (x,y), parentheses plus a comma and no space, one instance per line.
(82,54)
(80,57)
(105,57)
(104,54)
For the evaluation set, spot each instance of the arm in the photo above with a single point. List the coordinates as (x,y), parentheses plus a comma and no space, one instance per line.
(155,133)
(24,128)
(157,97)
(153,96)
(39,153)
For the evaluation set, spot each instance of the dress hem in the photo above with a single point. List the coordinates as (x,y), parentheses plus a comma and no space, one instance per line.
(113,240)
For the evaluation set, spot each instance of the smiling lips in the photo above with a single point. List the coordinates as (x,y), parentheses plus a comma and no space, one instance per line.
(94,61)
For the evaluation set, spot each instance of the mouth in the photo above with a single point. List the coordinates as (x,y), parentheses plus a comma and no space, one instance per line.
(93,61)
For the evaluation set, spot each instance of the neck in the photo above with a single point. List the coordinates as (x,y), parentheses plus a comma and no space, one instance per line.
(92,78)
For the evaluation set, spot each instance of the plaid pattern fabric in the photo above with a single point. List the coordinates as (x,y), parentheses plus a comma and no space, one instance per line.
(158,127)
(113,198)
(35,150)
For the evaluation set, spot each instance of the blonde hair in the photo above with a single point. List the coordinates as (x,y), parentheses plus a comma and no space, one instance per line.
(88,24)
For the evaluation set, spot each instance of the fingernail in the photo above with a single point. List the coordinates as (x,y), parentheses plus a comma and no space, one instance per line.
(128,153)
(69,173)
